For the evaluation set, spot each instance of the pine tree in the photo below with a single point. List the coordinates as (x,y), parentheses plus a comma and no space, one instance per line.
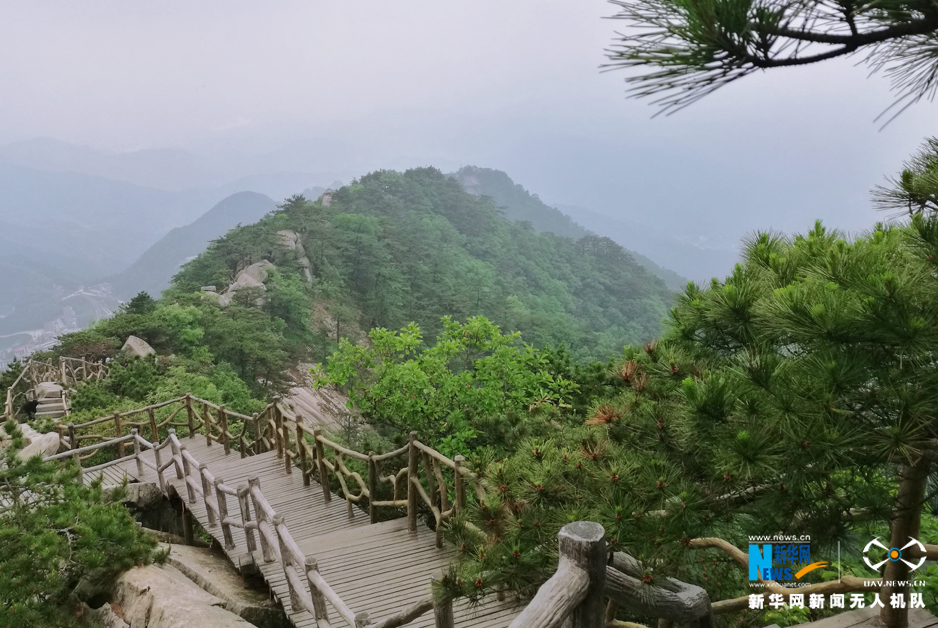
(55,533)
(797,396)
(695,48)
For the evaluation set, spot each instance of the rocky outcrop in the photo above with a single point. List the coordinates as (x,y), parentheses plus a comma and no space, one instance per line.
(36,444)
(290,240)
(137,347)
(41,445)
(253,276)
(215,575)
(158,597)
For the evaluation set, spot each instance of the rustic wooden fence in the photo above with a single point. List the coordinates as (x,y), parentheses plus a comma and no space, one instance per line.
(68,372)
(586,591)
(232,507)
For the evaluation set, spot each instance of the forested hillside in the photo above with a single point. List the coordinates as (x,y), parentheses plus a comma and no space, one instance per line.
(516,203)
(392,248)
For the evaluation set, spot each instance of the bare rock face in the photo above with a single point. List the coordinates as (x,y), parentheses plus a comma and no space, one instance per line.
(215,575)
(152,597)
(36,443)
(105,616)
(41,445)
(290,240)
(253,276)
(137,347)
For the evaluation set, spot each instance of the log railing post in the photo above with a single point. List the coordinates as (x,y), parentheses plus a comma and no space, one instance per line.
(158,458)
(207,424)
(278,429)
(323,471)
(154,430)
(186,472)
(301,449)
(460,485)
(223,424)
(286,558)
(372,487)
(72,440)
(207,495)
(319,600)
(256,446)
(413,456)
(223,515)
(176,451)
(287,456)
(574,596)
(443,614)
(190,415)
(245,505)
(118,432)
(62,369)
(254,482)
(584,543)
(133,433)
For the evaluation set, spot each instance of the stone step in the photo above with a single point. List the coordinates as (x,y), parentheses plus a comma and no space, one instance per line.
(49,405)
(51,414)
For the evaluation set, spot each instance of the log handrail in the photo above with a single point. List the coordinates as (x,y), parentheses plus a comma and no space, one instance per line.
(576,590)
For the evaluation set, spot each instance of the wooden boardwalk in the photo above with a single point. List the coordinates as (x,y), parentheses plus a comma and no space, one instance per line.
(378,568)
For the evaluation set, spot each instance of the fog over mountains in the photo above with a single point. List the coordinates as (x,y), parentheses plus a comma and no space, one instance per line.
(83,229)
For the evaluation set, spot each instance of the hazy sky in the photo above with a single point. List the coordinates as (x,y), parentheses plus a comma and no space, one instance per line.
(348,87)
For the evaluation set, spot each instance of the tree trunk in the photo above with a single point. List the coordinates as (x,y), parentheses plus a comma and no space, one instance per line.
(906,523)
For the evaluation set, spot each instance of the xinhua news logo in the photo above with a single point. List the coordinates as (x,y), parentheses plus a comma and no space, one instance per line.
(781,562)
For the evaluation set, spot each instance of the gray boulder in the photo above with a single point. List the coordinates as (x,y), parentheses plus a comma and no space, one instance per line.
(42,445)
(253,276)
(151,597)
(137,347)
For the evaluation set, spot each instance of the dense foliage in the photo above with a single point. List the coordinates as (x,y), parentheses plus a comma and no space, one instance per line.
(56,533)
(915,190)
(470,389)
(801,389)
(394,248)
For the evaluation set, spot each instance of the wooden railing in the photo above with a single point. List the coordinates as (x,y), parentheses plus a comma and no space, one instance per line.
(576,592)
(9,411)
(79,454)
(266,530)
(75,370)
(197,416)
(69,371)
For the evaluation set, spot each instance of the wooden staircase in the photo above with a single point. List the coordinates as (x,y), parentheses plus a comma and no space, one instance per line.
(302,509)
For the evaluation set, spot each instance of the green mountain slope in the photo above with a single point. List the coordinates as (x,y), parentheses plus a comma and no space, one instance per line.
(392,248)
(516,203)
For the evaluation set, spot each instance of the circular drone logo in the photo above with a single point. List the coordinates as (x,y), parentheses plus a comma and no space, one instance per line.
(893,554)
